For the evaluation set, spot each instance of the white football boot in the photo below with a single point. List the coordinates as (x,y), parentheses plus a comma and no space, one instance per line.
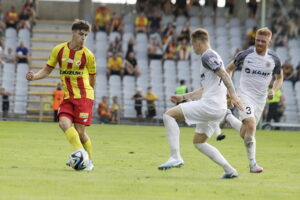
(90,166)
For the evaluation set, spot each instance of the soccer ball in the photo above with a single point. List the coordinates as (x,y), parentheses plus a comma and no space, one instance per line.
(79,159)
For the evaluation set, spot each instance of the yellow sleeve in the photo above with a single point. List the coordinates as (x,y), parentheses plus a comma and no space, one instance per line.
(110,63)
(136,21)
(52,60)
(120,62)
(91,64)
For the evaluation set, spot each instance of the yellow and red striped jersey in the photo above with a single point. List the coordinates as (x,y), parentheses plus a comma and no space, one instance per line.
(75,68)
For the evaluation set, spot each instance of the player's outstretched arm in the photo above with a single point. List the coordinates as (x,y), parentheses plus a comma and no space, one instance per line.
(230,68)
(231,91)
(196,94)
(44,72)
(276,85)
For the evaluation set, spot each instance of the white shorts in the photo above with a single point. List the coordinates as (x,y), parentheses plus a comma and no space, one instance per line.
(206,119)
(251,108)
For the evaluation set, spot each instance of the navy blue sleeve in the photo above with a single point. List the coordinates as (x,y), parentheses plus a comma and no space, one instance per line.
(277,68)
(210,61)
(240,57)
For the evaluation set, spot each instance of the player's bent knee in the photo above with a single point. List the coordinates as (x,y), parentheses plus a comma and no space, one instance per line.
(199,138)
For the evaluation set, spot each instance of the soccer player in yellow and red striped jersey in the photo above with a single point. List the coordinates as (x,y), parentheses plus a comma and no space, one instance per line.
(77,72)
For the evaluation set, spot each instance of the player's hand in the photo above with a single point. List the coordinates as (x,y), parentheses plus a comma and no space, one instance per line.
(176,98)
(30,76)
(237,102)
(271,94)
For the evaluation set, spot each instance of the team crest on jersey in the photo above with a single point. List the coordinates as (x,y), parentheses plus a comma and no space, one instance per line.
(214,60)
(268,64)
(84,115)
(78,63)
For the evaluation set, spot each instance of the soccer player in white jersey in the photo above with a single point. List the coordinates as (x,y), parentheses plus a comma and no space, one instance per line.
(258,65)
(207,112)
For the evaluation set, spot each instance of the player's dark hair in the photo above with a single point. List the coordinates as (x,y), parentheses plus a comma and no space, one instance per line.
(200,34)
(81,25)
(182,82)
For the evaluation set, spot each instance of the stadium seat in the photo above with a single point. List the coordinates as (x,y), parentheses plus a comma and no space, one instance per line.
(180,20)
(10,33)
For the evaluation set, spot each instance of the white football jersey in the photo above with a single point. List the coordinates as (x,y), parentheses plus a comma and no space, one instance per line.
(214,90)
(256,72)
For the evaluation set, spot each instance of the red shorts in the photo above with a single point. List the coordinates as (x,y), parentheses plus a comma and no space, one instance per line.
(77,110)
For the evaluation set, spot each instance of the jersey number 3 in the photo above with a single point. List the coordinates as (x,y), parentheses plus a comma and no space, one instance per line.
(248,110)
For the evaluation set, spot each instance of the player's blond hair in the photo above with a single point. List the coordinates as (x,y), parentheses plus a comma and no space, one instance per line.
(200,34)
(265,32)
(81,25)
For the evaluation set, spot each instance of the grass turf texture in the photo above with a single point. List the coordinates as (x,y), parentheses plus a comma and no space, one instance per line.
(33,157)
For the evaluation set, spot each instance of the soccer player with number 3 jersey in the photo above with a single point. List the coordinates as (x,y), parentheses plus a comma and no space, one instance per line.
(206,112)
(77,72)
(258,66)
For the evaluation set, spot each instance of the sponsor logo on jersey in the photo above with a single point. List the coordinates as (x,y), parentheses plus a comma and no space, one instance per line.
(71,72)
(84,115)
(257,72)
(268,64)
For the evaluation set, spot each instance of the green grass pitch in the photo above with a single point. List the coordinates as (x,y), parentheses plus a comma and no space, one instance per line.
(33,156)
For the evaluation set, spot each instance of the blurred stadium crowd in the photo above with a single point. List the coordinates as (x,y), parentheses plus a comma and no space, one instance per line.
(149,48)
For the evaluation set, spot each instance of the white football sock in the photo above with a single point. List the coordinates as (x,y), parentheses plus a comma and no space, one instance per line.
(173,132)
(218,131)
(214,154)
(250,144)
(234,122)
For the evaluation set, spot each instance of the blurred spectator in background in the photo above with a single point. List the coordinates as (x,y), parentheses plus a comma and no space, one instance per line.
(181,8)
(31,6)
(58,97)
(116,46)
(141,5)
(183,50)
(230,4)
(155,47)
(102,19)
(116,24)
(11,18)
(22,54)
(115,66)
(185,32)
(138,103)
(250,40)
(167,7)
(2,20)
(170,49)
(141,23)
(155,23)
(181,89)
(276,106)
(5,103)
(24,19)
(252,5)
(150,97)
(131,67)
(288,71)
(293,23)
(103,110)
(116,110)
(280,37)
(297,74)
(168,32)
(9,56)
(130,47)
